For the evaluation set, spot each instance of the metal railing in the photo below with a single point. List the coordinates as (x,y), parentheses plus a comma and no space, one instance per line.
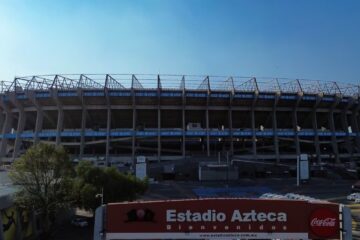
(177,82)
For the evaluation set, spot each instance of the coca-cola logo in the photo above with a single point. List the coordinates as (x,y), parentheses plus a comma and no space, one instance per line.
(327,222)
(324,222)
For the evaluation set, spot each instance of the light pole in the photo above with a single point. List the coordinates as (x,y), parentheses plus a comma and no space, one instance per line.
(298,171)
(101,195)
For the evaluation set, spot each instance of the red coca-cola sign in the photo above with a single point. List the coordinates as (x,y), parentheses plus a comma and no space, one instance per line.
(324,222)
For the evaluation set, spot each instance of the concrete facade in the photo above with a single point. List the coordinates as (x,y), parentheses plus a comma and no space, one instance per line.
(118,117)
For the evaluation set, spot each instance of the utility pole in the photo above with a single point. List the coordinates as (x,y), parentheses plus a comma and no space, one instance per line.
(298,171)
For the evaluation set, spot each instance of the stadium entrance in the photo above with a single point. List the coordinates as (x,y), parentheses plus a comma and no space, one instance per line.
(221,218)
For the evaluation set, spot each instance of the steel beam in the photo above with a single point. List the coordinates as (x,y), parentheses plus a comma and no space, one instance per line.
(85,81)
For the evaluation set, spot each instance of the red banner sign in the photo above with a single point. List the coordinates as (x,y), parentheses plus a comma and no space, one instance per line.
(222,219)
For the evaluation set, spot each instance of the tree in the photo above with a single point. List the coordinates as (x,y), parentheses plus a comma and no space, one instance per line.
(115,186)
(44,177)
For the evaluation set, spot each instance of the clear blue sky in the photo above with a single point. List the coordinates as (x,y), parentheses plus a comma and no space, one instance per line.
(296,39)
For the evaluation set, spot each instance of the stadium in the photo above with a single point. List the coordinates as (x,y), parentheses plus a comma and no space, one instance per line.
(117,117)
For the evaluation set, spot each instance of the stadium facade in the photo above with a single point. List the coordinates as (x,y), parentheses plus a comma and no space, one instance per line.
(117,117)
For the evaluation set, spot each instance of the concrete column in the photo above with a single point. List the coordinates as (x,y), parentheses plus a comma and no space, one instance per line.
(295,123)
(276,139)
(60,116)
(6,129)
(207,133)
(20,123)
(38,125)
(253,128)
(39,115)
(2,119)
(108,127)
(334,145)
(296,135)
(253,125)
(133,139)
(59,127)
(2,123)
(159,134)
(159,119)
(275,132)
(183,149)
(316,136)
(231,132)
(82,137)
(355,126)
(20,129)
(207,125)
(344,123)
(108,123)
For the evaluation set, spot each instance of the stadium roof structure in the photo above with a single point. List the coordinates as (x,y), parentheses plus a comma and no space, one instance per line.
(177,82)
